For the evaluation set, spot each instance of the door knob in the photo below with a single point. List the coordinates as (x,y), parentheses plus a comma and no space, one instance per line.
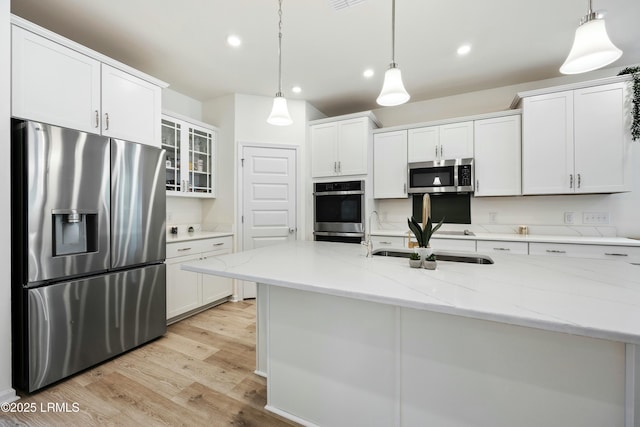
(292,230)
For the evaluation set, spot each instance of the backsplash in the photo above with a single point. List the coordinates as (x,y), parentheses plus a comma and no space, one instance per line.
(543,215)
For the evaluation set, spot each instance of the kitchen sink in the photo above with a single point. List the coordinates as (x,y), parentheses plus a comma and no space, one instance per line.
(440,255)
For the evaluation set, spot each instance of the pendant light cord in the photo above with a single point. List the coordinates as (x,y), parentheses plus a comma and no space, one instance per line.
(279,48)
(393,34)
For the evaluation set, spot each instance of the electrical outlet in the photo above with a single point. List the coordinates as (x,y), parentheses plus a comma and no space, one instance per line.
(569,217)
(493,217)
(595,217)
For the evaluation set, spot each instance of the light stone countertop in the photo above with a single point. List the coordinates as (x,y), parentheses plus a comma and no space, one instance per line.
(530,238)
(196,235)
(594,298)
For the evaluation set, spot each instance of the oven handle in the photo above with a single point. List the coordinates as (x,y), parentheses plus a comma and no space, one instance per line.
(333,233)
(338,193)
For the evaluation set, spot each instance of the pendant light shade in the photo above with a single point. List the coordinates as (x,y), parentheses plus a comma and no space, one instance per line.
(393,91)
(279,113)
(592,48)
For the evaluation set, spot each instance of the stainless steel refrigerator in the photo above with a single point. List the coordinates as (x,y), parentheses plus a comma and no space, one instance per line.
(88,250)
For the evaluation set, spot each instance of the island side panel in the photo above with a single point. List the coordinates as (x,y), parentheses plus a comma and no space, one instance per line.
(331,360)
(262,308)
(463,372)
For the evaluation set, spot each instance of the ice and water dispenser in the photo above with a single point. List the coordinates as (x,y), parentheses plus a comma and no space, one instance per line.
(74,232)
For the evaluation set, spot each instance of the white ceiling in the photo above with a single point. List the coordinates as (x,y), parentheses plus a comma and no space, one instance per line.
(325,51)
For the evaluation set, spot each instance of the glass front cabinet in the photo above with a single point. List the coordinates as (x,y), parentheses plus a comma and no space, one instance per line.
(190,147)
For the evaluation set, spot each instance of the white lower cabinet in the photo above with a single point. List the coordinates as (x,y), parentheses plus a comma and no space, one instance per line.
(382,242)
(189,292)
(502,246)
(622,253)
(466,245)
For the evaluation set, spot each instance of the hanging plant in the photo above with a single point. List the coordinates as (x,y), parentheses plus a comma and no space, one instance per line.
(635,124)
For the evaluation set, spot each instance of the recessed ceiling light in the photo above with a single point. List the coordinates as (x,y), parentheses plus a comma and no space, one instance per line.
(464,49)
(234,41)
(368,73)
(296,89)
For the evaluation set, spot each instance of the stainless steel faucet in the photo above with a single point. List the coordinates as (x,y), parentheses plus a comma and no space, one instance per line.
(368,243)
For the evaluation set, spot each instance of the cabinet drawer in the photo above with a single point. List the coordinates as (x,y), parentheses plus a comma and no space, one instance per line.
(197,246)
(466,245)
(520,248)
(387,242)
(622,253)
(217,244)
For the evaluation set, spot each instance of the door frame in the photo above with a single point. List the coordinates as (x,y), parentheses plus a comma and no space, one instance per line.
(240,195)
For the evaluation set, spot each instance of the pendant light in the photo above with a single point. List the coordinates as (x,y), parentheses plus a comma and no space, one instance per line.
(279,113)
(592,48)
(393,91)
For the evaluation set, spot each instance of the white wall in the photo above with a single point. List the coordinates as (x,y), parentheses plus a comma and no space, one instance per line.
(529,210)
(6,392)
(181,104)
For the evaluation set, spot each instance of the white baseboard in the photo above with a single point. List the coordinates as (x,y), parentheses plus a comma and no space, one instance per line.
(8,395)
(288,416)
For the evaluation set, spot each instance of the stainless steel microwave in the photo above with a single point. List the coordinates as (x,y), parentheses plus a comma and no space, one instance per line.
(441,176)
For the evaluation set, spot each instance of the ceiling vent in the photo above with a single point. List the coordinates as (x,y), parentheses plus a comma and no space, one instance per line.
(342,4)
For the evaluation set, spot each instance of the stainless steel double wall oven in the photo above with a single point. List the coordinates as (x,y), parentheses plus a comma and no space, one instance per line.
(88,249)
(339,211)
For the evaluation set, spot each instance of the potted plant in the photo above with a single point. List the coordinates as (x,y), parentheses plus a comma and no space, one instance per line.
(414,260)
(423,234)
(430,262)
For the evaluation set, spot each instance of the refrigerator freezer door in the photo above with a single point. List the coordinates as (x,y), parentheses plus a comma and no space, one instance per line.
(138,204)
(74,325)
(64,187)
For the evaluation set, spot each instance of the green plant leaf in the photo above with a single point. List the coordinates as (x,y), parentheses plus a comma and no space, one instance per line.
(415,228)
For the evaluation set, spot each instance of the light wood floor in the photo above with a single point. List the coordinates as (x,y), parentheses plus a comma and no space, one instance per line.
(199,374)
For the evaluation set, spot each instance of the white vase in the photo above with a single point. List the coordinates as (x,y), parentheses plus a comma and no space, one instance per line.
(425,252)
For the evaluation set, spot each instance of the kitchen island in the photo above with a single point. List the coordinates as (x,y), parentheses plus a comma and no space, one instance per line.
(527,341)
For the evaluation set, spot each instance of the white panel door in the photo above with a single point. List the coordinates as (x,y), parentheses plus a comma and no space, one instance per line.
(423,144)
(131,107)
(602,146)
(268,199)
(324,149)
(456,140)
(498,156)
(390,165)
(353,136)
(54,84)
(547,144)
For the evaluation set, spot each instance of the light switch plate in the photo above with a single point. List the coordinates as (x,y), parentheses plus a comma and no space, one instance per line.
(569,217)
(595,218)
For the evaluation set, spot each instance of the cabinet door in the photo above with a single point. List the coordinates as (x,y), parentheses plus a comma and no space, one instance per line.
(423,144)
(456,140)
(324,150)
(201,162)
(54,84)
(353,136)
(497,156)
(390,165)
(602,140)
(547,144)
(184,292)
(215,288)
(171,142)
(130,107)
(466,245)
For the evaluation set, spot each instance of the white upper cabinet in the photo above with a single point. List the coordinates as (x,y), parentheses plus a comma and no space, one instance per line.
(191,156)
(390,165)
(577,141)
(130,107)
(450,141)
(62,85)
(339,147)
(497,156)
(54,84)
